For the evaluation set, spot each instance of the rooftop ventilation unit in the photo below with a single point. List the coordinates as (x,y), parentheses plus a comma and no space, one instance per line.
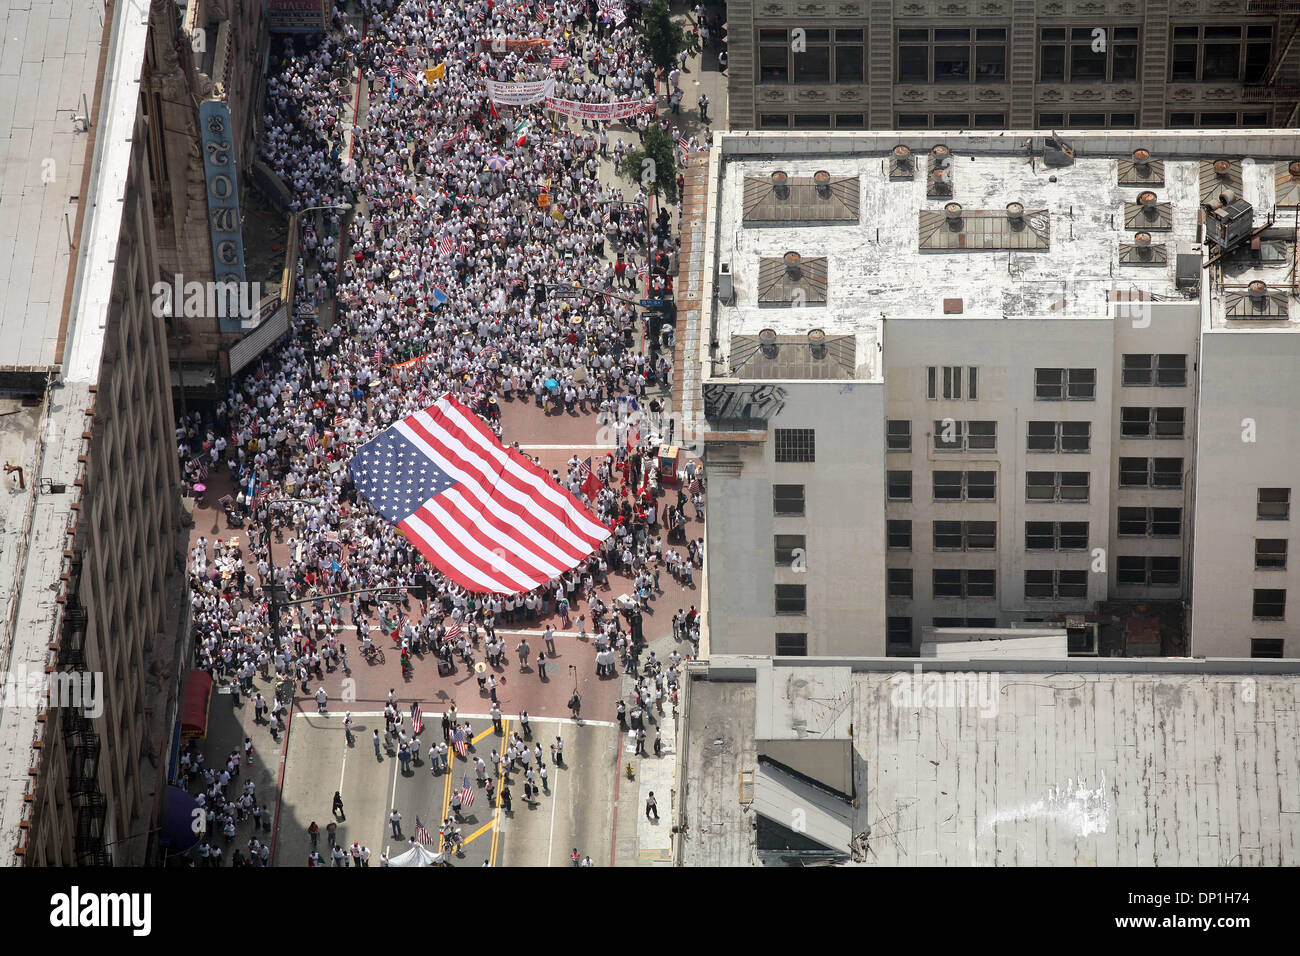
(780,184)
(1187,271)
(793,269)
(902,164)
(1147,200)
(1222,168)
(1142,161)
(1257,289)
(952,212)
(817,343)
(767,343)
(822,183)
(1016,215)
(1293,169)
(939,184)
(1229,222)
(1057,152)
(1141,170)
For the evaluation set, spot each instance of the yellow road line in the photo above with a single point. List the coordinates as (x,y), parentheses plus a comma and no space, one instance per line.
(498,818)
(486,733)
(481,830)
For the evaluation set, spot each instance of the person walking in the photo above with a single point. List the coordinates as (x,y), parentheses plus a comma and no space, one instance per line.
(332,833)
(659,744)
(541,667)
(575,705)
(337,808)
(347,727)
(313,831)
(640,742)
(652,807)
(523,722)
(557,752)
(378,755)
(505,799)
(496,719)
(622,716)
(549,637)
(321,698)
(404,757)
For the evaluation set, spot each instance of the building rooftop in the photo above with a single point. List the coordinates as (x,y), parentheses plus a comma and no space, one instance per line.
(1026,238)
(49,56)
(1056,763)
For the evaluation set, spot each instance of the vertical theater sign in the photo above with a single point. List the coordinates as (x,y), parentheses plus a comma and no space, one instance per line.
(222,175)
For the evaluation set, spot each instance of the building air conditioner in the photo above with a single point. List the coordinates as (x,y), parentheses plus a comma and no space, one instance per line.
(725,287)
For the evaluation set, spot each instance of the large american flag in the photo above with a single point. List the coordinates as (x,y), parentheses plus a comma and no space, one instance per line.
(466,793)
(422,834)
(417,719)
(458,741)
(453,631)
(488,518)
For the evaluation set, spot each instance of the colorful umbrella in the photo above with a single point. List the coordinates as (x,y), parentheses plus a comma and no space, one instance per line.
(497,162)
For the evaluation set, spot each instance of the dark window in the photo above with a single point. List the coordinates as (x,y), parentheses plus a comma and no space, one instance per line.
(899,534)
(947,536)
(981,535)
(1049,383)
(791,599)
(913,121)
(1130,571)
(1073,437)
(913,64)
(1166,472)
(981,583)
(791,645)
(951,121)
(981,485)
(1056,486)
(947,582)
(1182,120)
(774,121)
(1164,422)
(1123,121)
(982,436)
(773,56)
(1256,119)
(1153,571)
(990,120)
(1042,437)
(1076,436)
(900,583)
(1171,370)
(1269,604)
(1169,422)
(1072,584)
(1051,120)
(850,121)
(1138,370)
(1133,472)
(1040,536)
(1089,56)
(796,445)
(787,499)
(948,435)
(1056,536)
(1165,571)
(1039,585)
(1087,121)
(898,435)
(1166,522)
(812,120)
(898,630)
(848,56)
(1072,535)
(1270,554)
(948,622)
(965,535)
(1135,422)
(931,378)
(1218,120)
(813,65)
(951,582)
(951,55)
(1273,504)
(899,485)
(785,546)
(947,485)
(1269,647)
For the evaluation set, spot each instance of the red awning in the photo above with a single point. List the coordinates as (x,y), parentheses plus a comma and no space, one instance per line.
(194,706)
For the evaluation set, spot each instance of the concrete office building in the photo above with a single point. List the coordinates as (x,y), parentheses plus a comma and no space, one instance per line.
(1012,64)
(91,549)
(968,375)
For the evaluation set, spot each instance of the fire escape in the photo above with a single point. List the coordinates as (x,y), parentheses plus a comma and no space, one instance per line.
(80,740)
(1267,89)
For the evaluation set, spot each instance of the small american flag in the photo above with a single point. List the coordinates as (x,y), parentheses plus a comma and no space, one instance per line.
(591,484)
(339,421)
(422,833)
(642,272)
(453,631)
(412,76)
(203,467)
(694,487)
(445,245)
(466,793)
(541,13)
(311,441)
(685,145)
(458,740)
(417,719)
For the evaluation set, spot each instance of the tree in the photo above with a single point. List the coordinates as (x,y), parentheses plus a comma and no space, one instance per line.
(662,36)
(653,164)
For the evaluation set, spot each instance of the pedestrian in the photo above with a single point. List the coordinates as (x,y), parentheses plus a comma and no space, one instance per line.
(395,819)
(541,772)
(404,757)
(337,808)
(321,698)
(313,831)
(652,807)
(622,718)
(557,752)
(496,719)
(378,755)
(347,728)
(575,705)
(505,799)
(541,666)
(659,744)
(640,742)
(523,722)
(332,832)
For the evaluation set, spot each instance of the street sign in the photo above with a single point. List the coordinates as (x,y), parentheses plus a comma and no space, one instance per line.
(651,303)
(568,292)
(391,597)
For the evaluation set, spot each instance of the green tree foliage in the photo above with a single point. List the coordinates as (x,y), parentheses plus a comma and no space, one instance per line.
(653,164)
(661,35)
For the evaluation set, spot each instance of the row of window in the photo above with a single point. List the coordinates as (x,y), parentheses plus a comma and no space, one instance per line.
(1061,535)
(898,635)
(1083,54)
(1130,571)
(1068,437)
(948,120)
(1061,384)
(1272,504)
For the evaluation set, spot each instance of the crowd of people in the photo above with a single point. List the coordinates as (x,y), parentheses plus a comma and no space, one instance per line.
(440,261)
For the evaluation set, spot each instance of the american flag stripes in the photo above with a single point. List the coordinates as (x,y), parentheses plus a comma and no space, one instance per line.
(488,518)
(466,793)
(694,487)
(542,13)
(203,467)
(453,631)
(445,245)
(685,145)
(417,719)
(339,421)
(311,441)
(413,77)
(458,741)
(422,834)
(641,271)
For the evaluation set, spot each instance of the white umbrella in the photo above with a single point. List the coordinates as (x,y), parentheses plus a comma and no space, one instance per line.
(417,855)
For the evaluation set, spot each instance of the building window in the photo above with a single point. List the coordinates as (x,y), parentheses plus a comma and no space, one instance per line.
(898,631)
(785,546)
(1273,504)
(791,599)
(1071,384)
(952,435)
(965,535)
(1163,370)
(1269,604)
(1266,647)
(1048,585)
(973,583)
(899,534)
(990,120)
(796,445)
(850,121)
(952,55)
(1050,120)
(912,121)
(1220,54)
(898,435)
(1162,422)
(1056,486)
(787,499)
(951,377)
(812,120)
(1151,472)
(1134,571)
(773,121)
(1070,437)
(773,56)
(848,56)
(899,583)
(813,64)
(968,485)
(791,645)
(1150,522)
(1079,55)
(899,484)
(1056,535)
(1270,554)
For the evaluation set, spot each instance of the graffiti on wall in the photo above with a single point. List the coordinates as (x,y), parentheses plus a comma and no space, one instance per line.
(740,402)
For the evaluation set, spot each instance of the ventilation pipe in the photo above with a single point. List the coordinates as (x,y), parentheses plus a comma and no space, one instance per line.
(780,184)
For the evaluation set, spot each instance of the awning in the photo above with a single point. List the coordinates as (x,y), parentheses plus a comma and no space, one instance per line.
(194,706)
(822,817)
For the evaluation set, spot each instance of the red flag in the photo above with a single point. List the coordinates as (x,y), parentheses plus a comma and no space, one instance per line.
(493,110)
(591,484)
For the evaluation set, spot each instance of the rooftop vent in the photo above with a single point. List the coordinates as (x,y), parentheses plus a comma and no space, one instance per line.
(1293,168)
(939,184)
(1016,215)
(817,343)
(780,184)
(1142,251)
(1142,160)
(767,343)
(1221,168)
(1147,213)
(1257,289)
(793,267)
(822,180)
(952,212)
(902,163)
(1143,243)
(1141,170)
(939,153)
(1215,175)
